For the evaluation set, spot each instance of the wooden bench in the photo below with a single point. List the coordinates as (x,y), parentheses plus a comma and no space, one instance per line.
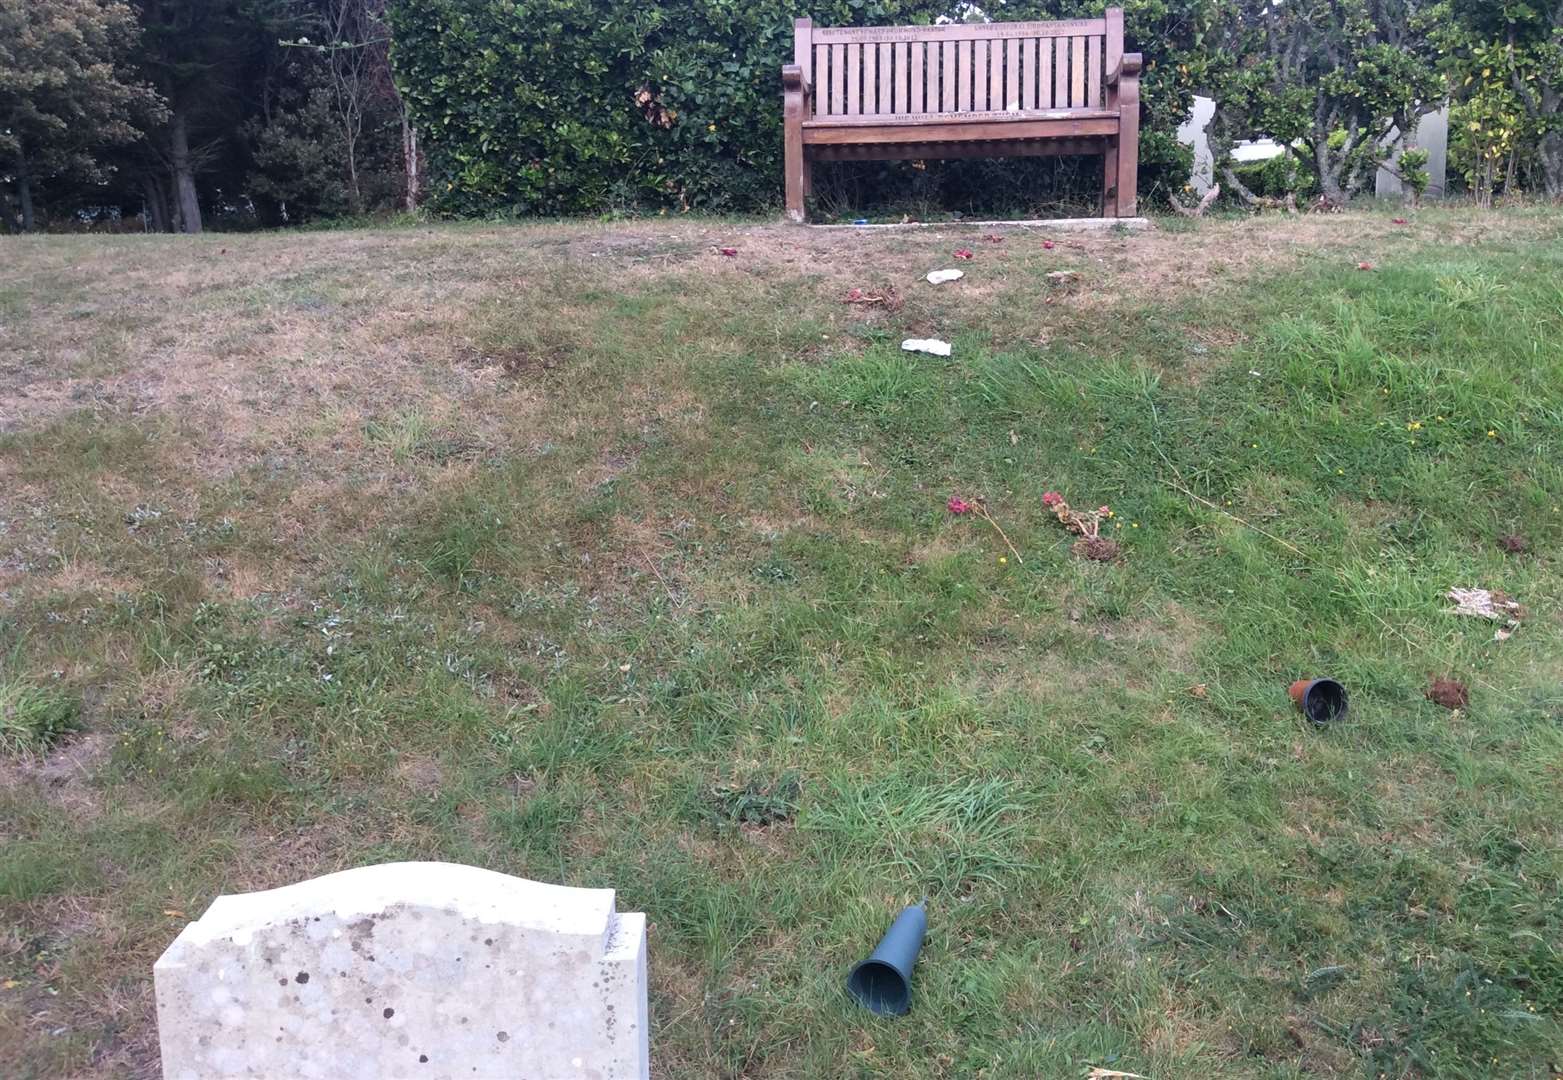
(998,89)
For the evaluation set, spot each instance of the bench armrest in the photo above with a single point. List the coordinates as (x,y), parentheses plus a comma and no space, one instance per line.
(793,80)
(1129,67)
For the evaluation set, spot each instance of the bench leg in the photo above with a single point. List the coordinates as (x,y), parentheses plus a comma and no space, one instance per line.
(1128,159)
(795,165)
(1110,180)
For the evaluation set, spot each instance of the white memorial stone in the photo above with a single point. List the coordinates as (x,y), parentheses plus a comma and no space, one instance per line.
(429,970)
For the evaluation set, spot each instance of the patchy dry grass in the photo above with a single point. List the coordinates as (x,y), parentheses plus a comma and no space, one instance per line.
(586,553)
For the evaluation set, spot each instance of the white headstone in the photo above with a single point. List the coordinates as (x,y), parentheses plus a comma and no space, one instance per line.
(1431,134)
(427,970)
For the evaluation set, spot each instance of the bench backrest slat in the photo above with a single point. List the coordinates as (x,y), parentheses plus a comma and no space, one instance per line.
(958,68)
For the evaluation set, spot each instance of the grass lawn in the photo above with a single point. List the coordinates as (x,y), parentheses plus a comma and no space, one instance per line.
(585,553)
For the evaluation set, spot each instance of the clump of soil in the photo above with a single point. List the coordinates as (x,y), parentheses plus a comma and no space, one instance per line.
(1449,693)
(1097,549)
(1514,543)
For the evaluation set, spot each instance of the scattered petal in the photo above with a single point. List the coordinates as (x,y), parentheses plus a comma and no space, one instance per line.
(963,253)
(958,505)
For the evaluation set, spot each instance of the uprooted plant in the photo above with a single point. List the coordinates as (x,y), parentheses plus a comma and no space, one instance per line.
(1087,524)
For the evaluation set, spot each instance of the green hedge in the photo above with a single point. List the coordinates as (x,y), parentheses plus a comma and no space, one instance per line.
(571,106)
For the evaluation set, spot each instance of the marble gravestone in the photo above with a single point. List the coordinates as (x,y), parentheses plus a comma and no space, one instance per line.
(428,970)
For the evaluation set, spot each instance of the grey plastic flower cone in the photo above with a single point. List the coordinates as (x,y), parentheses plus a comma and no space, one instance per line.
(882,984)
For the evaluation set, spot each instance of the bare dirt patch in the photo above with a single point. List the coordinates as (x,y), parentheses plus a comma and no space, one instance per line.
(64,775)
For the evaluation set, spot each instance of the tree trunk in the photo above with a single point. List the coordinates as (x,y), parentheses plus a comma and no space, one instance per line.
(189,206)
(355,195)
(24,191)
(1551,151)
(410,161)
(1329,174)
(156,204)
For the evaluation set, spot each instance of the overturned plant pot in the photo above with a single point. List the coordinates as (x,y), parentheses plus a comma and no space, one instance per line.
(882,984)
(1322,701)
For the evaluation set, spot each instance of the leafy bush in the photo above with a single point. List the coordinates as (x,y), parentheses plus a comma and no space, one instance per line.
(1413,171)
(1278,177)
(571,106)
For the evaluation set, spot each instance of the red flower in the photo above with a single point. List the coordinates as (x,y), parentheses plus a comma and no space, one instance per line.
(963,253)
(1051,498)
(1364,266)
(1047,245)
(959,505)
(730,252)
(1397,221)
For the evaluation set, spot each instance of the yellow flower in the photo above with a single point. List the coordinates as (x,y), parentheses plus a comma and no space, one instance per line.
(1440,418)
(1256,446)
(1415,425)
(1003,560)
(1136,525)
(1340,472)
(710,127)
(1492,434)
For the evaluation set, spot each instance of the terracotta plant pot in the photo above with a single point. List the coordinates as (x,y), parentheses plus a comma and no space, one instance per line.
(1322,701)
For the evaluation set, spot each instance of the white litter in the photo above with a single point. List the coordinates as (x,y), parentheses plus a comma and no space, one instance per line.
(1485,604)
(927,345)
(939,277)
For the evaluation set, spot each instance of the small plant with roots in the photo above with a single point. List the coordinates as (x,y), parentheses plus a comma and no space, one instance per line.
(1087,524)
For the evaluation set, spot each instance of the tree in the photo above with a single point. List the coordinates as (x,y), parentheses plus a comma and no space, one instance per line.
(1504,59)
(65,90)
(353,42)
(1330,80)
(198,54)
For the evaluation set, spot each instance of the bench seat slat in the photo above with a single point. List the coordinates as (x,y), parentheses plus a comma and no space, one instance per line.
(1072,125)
(990,116)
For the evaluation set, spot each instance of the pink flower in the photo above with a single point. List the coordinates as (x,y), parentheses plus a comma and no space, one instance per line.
(731,253)
(963,253)
(1397,221)
(1047,245)
(1052,498)
(959,505)
(1364,266)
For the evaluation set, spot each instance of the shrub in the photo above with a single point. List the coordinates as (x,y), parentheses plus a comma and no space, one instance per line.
(1278,177)
(572,106)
